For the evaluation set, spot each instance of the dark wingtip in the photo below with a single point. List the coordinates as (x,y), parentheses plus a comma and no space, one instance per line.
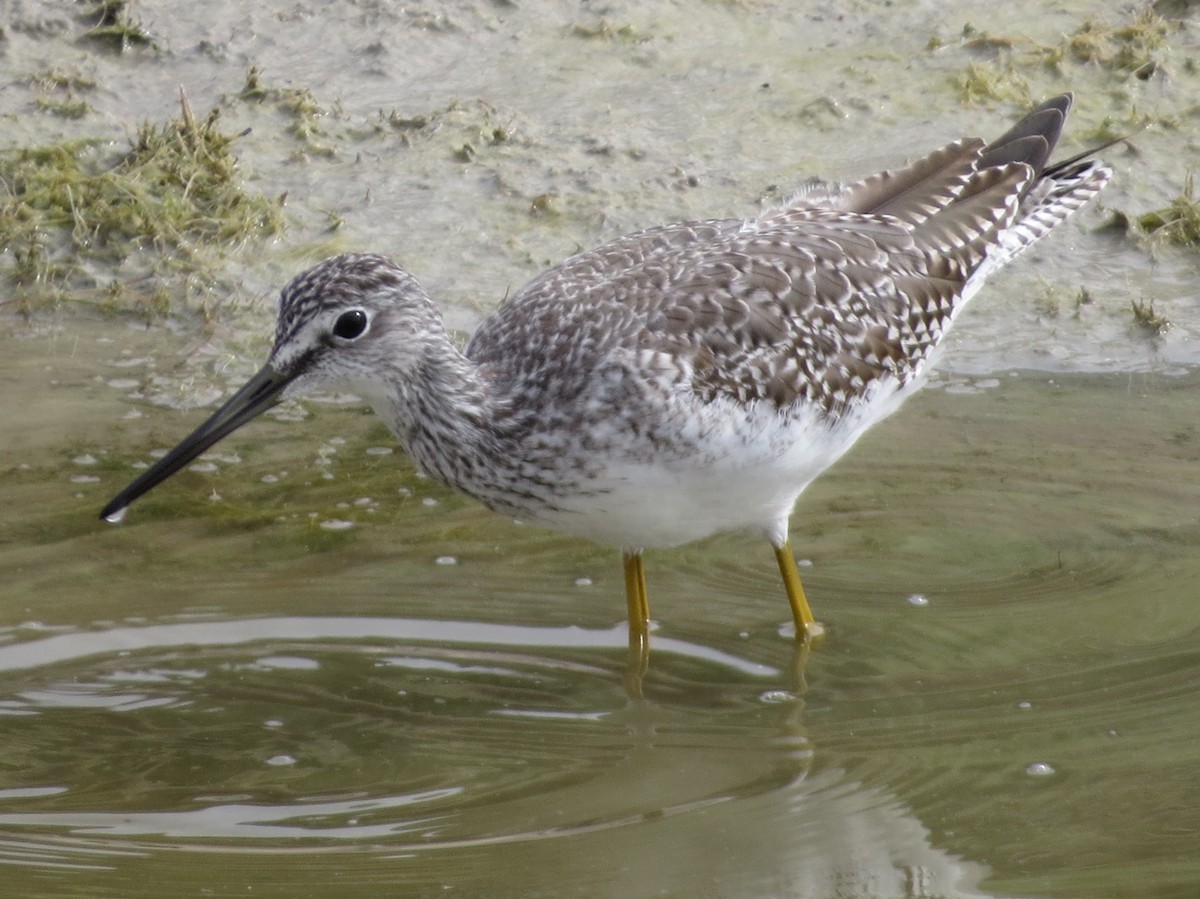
(1032,139)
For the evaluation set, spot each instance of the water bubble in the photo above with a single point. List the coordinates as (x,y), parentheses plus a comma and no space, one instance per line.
(917,599)
(1040,769)
(336,524)
(583,582)
(775,697)
(85,459)
(291,663)
(446,560)
(278,760)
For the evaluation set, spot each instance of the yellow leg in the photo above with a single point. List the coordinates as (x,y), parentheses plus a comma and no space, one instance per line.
(635,593)
(800,652)
(639,623)
(806,626)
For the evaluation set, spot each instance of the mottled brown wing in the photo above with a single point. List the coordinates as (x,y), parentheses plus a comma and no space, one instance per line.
(812,303)
(813,312)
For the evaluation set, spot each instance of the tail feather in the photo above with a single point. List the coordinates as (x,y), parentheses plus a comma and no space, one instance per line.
(1053,198)
(1047,198)
(1032,139)
(935,183)
(921,190)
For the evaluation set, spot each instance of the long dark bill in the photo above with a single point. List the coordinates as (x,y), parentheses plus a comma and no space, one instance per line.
(259,394)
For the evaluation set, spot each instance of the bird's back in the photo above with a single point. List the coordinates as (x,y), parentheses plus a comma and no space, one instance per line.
(696,377)
(815,305)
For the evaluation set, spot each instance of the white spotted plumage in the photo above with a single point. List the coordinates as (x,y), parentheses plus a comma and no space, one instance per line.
(696,377)
(683,380)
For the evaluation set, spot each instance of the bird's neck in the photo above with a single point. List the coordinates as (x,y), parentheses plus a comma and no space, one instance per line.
(440,409)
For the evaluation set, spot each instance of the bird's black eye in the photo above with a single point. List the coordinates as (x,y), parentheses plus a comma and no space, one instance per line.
(350,324)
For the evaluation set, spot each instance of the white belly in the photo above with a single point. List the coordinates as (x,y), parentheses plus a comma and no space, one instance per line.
(746,476)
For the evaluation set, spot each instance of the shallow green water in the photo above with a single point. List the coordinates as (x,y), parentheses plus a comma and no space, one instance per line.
(307,672)
(226,694)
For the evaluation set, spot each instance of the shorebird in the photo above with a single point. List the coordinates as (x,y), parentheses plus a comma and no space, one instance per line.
(683,380)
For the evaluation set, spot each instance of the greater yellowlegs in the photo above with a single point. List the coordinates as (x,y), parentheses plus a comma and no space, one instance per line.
(683,380)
